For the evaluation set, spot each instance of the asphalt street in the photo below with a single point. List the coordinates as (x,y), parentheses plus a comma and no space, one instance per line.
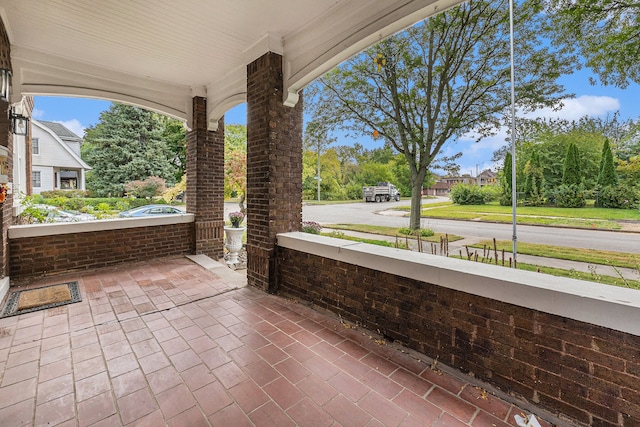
(378,214)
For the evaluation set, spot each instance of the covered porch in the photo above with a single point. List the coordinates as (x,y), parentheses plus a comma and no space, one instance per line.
(561,346)
(183,341)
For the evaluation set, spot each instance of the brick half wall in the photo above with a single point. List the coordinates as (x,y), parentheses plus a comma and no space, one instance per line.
(71,247)
(573,369)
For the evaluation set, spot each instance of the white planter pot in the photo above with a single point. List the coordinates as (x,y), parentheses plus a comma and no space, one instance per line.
(233,242)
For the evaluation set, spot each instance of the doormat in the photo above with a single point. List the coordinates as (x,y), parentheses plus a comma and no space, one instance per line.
(29,300)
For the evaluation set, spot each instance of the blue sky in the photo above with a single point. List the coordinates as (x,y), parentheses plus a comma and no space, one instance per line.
(597,101)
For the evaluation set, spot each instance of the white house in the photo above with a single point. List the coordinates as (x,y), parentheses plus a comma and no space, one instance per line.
(56,162)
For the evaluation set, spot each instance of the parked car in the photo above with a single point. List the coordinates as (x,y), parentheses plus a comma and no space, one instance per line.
(150,210)
(56,214)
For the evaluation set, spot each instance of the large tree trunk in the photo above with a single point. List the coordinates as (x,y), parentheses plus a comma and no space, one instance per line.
(416,204)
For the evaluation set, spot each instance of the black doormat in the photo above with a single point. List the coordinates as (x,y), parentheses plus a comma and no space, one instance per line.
(29,300)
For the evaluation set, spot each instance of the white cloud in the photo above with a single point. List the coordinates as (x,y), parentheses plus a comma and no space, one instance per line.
(37,113)
(74,126)
(575,108)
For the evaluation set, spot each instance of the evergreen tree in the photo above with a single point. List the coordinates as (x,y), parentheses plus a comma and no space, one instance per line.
(506,181)
(607,175)
(533,172)
(571,168)
(534,181)
(125,146)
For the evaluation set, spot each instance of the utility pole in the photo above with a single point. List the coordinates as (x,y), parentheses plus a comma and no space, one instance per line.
(513,139)
(318,176)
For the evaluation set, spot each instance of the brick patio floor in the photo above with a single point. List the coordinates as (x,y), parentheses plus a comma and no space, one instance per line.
(169,342)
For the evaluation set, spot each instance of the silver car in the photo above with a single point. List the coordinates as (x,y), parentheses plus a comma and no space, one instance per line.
(150,210)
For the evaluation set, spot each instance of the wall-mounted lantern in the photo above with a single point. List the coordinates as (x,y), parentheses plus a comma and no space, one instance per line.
(5,84)
(20,123)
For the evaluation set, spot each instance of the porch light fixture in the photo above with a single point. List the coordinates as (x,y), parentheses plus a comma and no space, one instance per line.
(5,84)
(20,123)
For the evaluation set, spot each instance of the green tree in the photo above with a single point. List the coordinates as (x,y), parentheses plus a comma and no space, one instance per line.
(534,183)
(440,79)
(174,134)
(235,160)
(506,181)
(607,175)
(571,168)
(550,140)
(125,146)
(605,32)
(630,171)
(316,138)
(628,145)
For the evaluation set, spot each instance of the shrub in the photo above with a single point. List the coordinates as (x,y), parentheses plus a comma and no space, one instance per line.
(72,194)
(423,232)
(34,215)
(618,197)
(152,186)
(491,192)
(104,207)
(569,196)
(172,194)
(464,194)
(311,227)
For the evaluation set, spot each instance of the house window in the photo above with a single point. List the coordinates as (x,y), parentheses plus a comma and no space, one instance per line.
(35,179)
(35,146)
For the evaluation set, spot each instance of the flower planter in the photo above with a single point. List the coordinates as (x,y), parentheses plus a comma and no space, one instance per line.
(233,242)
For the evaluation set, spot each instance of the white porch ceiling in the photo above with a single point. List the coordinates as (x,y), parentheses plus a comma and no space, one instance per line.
(160,53)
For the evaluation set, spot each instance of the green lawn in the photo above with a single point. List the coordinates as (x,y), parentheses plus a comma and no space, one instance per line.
(591,256)
(588,217)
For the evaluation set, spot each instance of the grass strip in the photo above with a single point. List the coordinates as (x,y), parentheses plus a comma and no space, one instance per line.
(591,256)
(573,274)
(387,231)
(340,235)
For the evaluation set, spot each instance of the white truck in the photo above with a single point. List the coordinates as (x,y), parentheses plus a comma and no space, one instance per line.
(383,192)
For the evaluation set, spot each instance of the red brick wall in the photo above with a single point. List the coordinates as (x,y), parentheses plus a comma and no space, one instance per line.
(205,181)
(274,167)
(587,373)
(44,255)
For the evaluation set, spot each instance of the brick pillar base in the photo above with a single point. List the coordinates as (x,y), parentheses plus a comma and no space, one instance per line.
(205,182)
(274,167)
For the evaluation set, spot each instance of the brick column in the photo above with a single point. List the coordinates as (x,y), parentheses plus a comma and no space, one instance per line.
(205,181)
(274,167)
(6,139)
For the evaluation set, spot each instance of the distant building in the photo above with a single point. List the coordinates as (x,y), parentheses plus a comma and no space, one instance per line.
(443,185)
(56,162)
(487,177)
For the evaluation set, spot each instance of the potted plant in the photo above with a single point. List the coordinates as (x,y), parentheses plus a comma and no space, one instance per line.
(236,219)
(233,237)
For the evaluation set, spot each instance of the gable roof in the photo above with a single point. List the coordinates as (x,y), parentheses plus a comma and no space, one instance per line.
(61,130)
(43,125)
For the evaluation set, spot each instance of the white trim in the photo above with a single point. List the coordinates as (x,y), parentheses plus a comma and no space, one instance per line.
(38,230)
(5,282)
(603,305)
